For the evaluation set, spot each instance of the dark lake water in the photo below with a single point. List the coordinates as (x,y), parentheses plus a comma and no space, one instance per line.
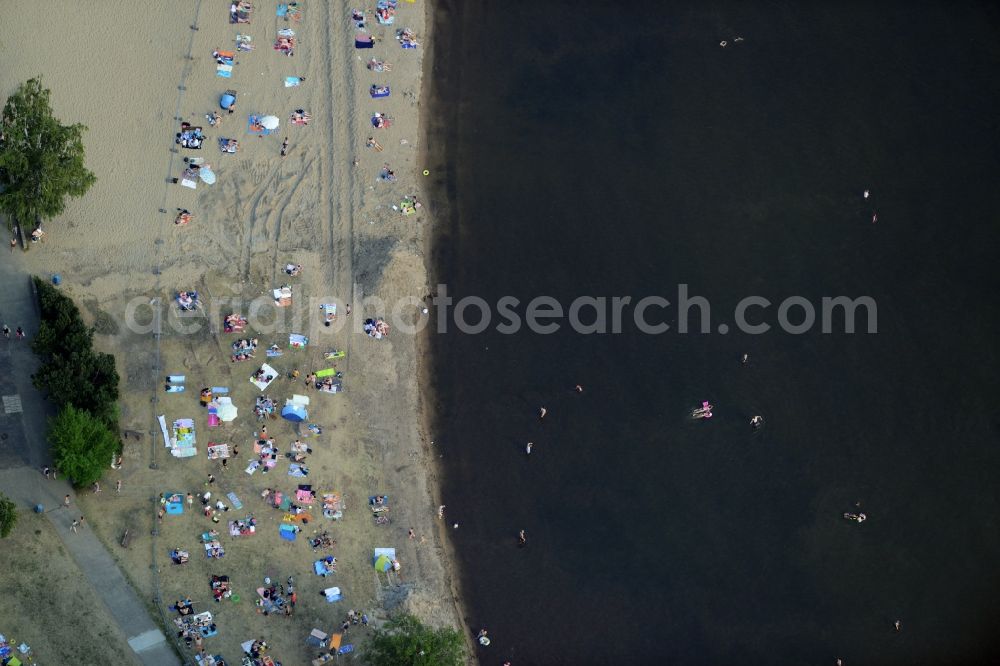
(606,149)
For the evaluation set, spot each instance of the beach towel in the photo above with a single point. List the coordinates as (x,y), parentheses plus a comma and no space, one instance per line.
(207,631)
(363,41)
(220,389)
(223,70)
(332,594)
(282,11)
(296,341)
(296,469)
(173,388)
(289,534)
(345,649)
(326,372)
(237,504)
(273,353)
(304,496)
(252,467)
(292,81)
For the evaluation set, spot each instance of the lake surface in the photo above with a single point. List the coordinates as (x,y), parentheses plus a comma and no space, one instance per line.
(591,149)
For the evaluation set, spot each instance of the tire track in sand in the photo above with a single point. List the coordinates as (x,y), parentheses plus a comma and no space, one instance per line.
(337,178)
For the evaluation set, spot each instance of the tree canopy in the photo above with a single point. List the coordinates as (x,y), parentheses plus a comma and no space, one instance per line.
(71,371)
(41,160)
(8,516)
(405,641)
(82,444)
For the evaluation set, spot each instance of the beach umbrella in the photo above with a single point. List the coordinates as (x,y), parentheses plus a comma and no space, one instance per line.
(293,412)
(227,412)
(207,175)
(269,122)
(382,563)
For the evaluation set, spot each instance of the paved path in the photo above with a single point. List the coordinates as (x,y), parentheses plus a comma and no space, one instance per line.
(23,450)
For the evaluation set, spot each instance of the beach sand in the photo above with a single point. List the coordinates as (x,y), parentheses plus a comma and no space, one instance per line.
(131,74)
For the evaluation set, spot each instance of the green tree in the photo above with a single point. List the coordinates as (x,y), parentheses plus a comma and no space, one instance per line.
(405,641)
(41,160)
(82,444)
(8,516)
(71,372)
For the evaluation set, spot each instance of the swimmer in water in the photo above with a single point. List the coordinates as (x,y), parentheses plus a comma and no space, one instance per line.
(867,194)
(745,359)
(874,218)
(542,412)
(757,421)
(521,538)
(578,388)
(527,449)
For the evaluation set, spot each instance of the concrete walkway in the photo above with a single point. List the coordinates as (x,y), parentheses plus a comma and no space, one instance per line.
(23,451)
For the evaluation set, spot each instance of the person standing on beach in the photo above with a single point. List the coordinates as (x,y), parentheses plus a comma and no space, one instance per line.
(66,502)
(284,147)
(118,487)
(45,471)
(73,526)
(440,508)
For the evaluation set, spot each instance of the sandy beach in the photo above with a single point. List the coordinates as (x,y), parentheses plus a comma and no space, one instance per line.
(132,74)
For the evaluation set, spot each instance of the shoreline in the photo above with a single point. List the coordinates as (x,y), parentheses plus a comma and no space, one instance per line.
(435,118)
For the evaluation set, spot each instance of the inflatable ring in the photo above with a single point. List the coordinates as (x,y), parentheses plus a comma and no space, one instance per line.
(427,172)
(723,43)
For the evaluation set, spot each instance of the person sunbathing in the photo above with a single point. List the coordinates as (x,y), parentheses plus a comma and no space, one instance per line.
(183,217)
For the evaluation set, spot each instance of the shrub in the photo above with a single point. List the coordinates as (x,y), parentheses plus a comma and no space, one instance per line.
(405,641)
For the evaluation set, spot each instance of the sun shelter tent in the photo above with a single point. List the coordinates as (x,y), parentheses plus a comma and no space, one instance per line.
(182,444)
(383,563)
(295,408)
(263,377)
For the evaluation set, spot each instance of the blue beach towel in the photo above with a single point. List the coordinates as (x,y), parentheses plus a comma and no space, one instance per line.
(173,389)
(282,10)
(237,504)
(292,81)
(220,389)
(298,470)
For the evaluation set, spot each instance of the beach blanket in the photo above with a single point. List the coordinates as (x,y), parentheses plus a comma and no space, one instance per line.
(292,81)
(326,372)
(332,594)
(252,467)
(237,504)
(217,451)
(283,296)
(182,444)
(288,532)
(175,504)
(363,40)
(214,549)
(325,566)
(264,382)
(296,341)
(246,527)
(254,127)
(295,469)
(305,496)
